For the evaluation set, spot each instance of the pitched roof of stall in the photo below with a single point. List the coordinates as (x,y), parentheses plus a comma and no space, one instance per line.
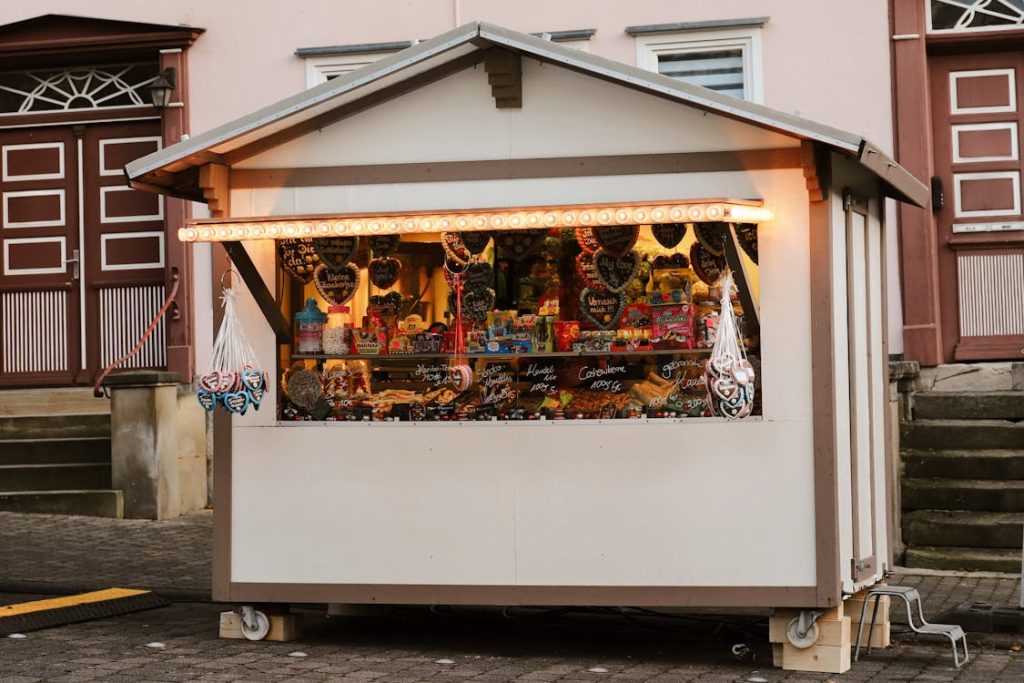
(463,45)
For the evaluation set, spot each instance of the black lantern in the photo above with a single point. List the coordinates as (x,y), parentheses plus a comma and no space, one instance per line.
(161,88)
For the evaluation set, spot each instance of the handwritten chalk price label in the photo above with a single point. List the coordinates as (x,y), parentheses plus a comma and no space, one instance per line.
(608,378)
(436,376)
(541,378)
(495,382)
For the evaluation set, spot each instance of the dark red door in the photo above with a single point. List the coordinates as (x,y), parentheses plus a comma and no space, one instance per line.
(83,254)
(977,101)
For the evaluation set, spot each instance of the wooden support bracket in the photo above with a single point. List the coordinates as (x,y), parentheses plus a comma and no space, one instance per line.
(214,182)
(264,299)
(814,160)
(505,74)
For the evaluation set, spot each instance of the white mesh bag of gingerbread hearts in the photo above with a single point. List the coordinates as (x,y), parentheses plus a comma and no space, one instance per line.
(729,375)
(234,380)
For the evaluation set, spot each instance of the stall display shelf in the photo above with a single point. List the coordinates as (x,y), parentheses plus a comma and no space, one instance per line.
(496,356)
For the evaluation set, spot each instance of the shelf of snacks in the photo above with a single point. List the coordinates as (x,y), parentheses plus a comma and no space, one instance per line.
(586,323)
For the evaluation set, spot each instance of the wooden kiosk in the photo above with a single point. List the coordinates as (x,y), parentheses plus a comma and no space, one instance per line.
(486,129)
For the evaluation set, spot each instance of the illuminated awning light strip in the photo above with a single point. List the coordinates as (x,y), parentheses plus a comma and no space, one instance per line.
(279,228)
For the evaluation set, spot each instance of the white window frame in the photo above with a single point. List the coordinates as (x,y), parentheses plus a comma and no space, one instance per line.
(650,47)
(320,69)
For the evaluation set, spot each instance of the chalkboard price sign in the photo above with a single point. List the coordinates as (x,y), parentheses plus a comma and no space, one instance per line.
(496,382)
(609,378)
(435,375)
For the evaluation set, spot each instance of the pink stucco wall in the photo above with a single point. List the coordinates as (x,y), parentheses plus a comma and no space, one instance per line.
(826,60)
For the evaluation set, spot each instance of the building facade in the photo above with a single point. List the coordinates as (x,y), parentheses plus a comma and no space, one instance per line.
(88,261)
(957,76)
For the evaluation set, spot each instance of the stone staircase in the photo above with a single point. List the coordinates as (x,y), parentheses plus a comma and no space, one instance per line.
(963,480)
(57,463)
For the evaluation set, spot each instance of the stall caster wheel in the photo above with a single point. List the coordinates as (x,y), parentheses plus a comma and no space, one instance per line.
(255,624)
(802,632)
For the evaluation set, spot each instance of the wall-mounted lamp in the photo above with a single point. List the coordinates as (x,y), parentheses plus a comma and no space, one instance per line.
(161,88)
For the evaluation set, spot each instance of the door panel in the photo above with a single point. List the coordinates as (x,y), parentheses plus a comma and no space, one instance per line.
(40,304)
(977,102)
(124,248)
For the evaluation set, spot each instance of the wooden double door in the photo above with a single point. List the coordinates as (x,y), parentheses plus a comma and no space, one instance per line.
(977,114)
(83,255)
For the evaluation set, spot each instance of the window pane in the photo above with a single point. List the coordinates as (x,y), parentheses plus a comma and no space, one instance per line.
(720,70)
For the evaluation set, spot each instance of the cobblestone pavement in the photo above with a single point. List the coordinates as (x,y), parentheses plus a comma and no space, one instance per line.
(47,553)
(411,644)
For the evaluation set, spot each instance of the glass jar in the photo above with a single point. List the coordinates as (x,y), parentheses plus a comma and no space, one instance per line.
(337,335)
(309,328)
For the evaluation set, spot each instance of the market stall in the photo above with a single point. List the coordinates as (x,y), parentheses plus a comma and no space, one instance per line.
(542,328)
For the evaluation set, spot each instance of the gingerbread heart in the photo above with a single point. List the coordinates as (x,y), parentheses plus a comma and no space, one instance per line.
(518,244)
(586,239)
(617,240)
(256,396)
(206,399)
(746,235)
(384,272)
(218,382)
(711,236)
(337,286)
(587,271)
(454,247)
(602,309)
(615,272)
(476,242)
(335,252)
(706,265)
(298,258)
(236,401)
(476,304)
(479,275)
(384,245)
(669,234)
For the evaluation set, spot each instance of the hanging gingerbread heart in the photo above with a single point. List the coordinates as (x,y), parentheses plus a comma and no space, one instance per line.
(587,271)
(669,234)
(207,399)
(337,286)
(237,401)
(476,242)
(586,239)
(746,235)
(617,240)
(476,304)
(615,272)
(298,258)
(384,245)
(384,272)
(706,265)
(711,236)
(601,308)
(335,252)
(454,247)
(518,244)
(479,275)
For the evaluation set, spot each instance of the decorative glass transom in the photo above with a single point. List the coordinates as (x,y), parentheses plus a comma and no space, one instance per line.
(948,16)
(75,89)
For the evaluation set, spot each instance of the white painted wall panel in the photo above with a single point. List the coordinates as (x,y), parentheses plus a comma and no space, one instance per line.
(564,114)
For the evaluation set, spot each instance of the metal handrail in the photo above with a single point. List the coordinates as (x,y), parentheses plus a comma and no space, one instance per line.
(97,388)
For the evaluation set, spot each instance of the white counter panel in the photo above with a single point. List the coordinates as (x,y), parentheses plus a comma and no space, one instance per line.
(615,504)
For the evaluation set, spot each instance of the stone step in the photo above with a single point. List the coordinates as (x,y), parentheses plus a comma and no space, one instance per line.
(88,503)
(964,559)
(964,464)
(54,426)
(52,401)
(963,529)
(963,494)
(962,434)
(94,449)
(70,476)
(975,405)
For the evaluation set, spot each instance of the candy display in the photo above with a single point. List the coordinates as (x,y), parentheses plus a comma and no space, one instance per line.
(610,322)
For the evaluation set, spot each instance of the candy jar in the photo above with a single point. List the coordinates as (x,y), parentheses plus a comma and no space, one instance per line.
(337,332)
(309,327)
